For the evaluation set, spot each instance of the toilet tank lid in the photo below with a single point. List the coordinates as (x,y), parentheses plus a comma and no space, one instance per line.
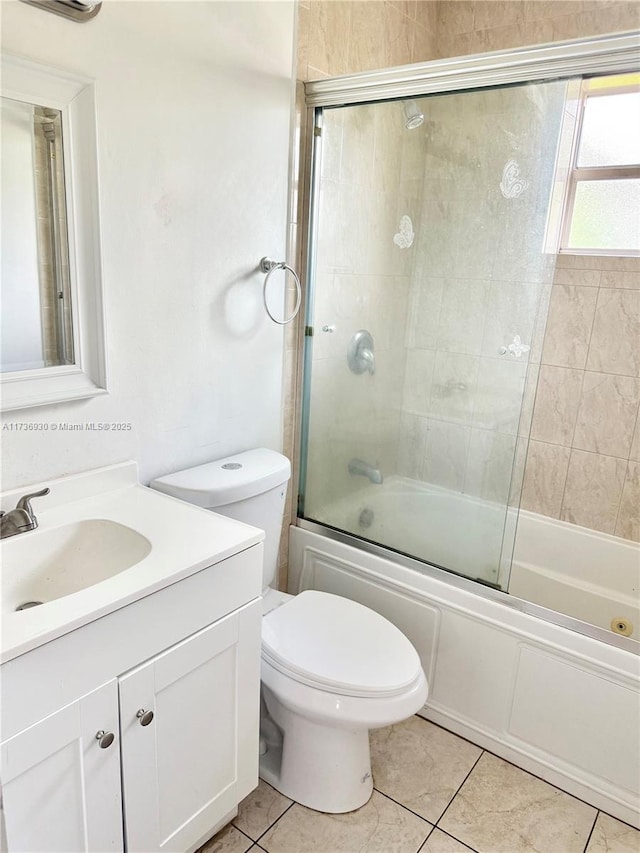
(225,481)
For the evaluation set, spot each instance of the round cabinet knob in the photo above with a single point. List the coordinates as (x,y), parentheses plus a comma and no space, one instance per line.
(145,717)
(105,739)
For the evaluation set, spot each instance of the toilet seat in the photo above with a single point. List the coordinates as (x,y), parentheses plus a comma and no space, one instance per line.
(338,646)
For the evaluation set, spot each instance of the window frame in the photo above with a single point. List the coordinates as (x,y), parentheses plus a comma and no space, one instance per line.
(577,174)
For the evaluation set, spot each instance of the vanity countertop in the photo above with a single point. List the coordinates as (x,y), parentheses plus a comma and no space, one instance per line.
(183,540)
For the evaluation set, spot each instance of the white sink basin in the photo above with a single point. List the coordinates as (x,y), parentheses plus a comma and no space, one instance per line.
(44,565)
(103,541)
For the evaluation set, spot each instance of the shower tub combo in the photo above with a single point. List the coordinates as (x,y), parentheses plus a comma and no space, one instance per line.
(435,223)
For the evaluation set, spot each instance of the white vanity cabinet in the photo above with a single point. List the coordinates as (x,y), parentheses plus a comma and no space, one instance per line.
(60,790)
(190,766)
(190,655)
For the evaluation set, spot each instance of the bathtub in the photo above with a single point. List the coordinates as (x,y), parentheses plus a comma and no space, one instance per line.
(555,694)
(445,528)
(581,573)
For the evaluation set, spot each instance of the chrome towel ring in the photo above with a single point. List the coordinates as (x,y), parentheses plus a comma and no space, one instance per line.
(267,266)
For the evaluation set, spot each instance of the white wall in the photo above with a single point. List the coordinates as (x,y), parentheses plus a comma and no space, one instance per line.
(20,332)
(194,104)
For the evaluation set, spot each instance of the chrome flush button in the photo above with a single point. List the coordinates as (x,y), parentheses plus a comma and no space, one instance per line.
(232,466)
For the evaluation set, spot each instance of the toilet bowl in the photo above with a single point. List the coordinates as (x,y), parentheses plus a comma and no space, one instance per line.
(331,668)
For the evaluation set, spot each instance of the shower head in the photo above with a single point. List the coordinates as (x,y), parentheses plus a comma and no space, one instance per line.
(413,116)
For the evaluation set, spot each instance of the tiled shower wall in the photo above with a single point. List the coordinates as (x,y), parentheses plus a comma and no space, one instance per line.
(583,464)
(464,26)
(479,275)
(337,37)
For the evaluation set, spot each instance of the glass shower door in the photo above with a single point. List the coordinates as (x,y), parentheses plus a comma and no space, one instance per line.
(430,281)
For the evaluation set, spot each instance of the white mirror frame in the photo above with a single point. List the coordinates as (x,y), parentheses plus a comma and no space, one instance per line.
(74,96)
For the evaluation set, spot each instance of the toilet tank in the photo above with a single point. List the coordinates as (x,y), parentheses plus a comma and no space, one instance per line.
(250,487)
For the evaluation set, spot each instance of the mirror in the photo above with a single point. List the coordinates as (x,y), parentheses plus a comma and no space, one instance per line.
(52,326)
(36,322)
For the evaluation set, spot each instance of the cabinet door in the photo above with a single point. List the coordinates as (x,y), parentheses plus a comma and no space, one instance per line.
(60,789)
(189,767)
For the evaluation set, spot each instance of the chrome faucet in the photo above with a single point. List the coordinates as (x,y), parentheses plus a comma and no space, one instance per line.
(357,466)
(360,355)
(368,359)
(22,518)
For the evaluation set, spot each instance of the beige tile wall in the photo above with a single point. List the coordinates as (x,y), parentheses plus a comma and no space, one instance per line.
(465,26)
(584,455)
(337,37)
(294,332)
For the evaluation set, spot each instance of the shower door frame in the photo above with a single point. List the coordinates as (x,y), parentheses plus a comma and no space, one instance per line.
(610,54)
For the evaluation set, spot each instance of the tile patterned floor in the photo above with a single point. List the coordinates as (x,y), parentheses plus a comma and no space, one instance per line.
(434,793)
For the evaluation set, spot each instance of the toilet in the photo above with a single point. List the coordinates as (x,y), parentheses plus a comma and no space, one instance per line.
(331,668)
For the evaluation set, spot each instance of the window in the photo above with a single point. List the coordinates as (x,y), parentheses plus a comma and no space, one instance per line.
(602,207)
